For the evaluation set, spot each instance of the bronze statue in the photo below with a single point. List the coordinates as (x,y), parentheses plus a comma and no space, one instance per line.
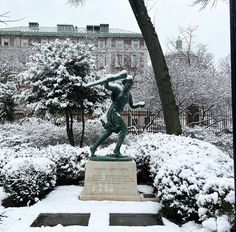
(120,96)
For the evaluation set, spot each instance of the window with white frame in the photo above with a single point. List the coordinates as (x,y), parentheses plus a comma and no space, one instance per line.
(135,44)
(101,60)
(5,41)
(24,43)
(119,60)
(120,43)
(101,44)
(135,60)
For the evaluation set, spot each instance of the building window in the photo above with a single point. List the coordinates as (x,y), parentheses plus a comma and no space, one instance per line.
(135,60)
(5,42)
(119,60)
(135,44)
(101,44)
(65,28)
(120,44)
(24,43)
(17,42)
(101,61)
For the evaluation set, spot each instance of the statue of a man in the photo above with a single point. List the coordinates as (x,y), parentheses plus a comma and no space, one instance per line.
(120,96)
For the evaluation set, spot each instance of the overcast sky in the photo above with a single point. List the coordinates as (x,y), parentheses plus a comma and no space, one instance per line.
(168,16)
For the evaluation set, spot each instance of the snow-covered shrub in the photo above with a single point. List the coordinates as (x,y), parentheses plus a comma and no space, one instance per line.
(26,180)
(3,162)
(70,162)
(34,132)
(7,154)
(222,140)
(194,180)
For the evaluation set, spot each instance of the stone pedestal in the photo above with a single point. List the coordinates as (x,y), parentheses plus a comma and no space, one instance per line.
(110,180)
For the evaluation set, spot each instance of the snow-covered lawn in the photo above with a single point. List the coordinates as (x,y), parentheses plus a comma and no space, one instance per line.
(65,199)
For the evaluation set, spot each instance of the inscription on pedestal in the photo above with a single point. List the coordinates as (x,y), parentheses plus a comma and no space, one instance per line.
(110,180)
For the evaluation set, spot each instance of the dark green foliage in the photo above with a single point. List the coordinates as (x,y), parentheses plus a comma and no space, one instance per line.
(143,169)
(26,181)
(7,93)
(71,168)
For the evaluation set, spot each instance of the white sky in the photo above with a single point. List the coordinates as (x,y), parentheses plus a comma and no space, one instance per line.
(168,16)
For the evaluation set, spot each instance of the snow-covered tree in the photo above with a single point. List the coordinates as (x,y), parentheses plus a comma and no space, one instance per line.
(225,65)
(56,73)
(8,91)
(198,86)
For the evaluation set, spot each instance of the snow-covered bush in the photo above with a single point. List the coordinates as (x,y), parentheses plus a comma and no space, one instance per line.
(26,180)
(222,140)
(8,154)
(70,162)
(3,162)
(33,132)
(193,179)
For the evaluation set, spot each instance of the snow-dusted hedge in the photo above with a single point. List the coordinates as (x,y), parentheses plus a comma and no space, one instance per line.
(194,179)
(34,132)
(28,179)
(70,162)
(7,154)
(221,139)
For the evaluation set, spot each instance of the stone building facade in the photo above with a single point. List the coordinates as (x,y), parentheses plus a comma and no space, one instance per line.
(116,49)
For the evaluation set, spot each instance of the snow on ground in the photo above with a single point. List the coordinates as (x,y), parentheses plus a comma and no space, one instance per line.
(64,199)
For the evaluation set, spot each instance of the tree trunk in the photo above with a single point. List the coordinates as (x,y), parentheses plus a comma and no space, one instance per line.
(69,126)
(83,127)
(193,115)
(170,109)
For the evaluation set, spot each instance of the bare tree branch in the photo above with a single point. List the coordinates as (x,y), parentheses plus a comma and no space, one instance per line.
(205,3)
(5,21)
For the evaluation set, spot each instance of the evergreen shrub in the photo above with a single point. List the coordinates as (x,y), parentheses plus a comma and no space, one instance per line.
(27,180)
(70,163)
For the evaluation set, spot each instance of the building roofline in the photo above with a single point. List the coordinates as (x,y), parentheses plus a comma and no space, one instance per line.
(79,32)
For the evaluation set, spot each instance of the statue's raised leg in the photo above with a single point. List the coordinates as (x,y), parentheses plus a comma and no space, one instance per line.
(102,138)
(121,137)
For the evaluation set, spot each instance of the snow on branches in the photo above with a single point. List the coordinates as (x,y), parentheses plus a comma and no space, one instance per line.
(57,73)
(8,91)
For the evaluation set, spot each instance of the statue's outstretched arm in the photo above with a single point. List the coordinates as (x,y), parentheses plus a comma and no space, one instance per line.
(135,105)
(113,86)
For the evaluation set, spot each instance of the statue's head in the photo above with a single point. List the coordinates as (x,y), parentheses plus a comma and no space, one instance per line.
(128,82)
